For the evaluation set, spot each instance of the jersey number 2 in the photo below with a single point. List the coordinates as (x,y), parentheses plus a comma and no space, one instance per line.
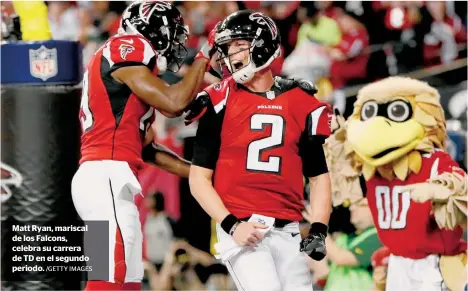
(256,147)
(393,216)
(86,116)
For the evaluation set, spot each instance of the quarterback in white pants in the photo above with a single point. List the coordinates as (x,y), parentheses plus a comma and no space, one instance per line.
(276,263)
(257,138)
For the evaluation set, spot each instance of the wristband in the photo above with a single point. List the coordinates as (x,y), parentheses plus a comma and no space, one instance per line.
(318,227)
(228,223)
(233,229)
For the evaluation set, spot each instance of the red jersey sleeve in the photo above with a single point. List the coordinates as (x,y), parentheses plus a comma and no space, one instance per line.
(315,114)
(214,95)
(219,93)
(316,130)
(319,120)
(443,163)
(129,50)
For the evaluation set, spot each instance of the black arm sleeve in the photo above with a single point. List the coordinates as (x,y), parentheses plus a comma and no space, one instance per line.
(208,139)
(311,150)
(313,156)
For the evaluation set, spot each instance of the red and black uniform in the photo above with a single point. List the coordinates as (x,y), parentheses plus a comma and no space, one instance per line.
(261,144)
(409,228)
(115,120)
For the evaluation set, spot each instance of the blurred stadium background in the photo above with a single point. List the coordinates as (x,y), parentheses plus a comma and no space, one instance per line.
(338,45)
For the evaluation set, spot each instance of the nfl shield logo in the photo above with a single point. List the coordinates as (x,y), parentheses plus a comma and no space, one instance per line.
(43,63)
(270,95)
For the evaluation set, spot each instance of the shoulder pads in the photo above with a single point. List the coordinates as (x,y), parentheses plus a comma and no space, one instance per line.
(306,86)
(288,84)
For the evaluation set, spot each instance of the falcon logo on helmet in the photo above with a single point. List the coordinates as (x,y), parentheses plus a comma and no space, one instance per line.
(161,23)
(256,28)
(10,178)
(262,20)
(146,9)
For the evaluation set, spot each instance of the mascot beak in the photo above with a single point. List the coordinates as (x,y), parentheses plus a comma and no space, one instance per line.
(379,140)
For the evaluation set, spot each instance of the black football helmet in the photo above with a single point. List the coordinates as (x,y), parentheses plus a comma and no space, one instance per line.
(264,39)
(162,24)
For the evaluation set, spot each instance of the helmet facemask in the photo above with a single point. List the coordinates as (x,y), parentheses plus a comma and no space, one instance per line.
(168,39)
(176,52)
(247,71)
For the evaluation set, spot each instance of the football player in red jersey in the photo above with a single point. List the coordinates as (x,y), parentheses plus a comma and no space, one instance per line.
(259,135)
(121,90)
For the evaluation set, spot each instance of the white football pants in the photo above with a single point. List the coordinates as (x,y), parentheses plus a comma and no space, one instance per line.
(406,274)
(274,265)
(104,191)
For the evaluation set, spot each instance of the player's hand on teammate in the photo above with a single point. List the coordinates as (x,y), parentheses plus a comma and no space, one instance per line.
(247,234)
(314,243)
(197,108)
(207,50)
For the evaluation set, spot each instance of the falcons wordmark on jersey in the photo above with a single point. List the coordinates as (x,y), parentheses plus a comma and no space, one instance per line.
(257,144)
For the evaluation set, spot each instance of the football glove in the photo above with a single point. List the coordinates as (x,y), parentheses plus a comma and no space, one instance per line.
(207,50)
(197,108)
(314,244)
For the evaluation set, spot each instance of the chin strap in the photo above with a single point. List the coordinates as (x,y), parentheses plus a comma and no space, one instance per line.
(247,73)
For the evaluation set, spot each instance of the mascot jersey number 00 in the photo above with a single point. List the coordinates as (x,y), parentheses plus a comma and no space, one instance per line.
(392,151)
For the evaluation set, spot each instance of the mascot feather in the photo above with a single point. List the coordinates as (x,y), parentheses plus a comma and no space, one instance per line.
(391,150)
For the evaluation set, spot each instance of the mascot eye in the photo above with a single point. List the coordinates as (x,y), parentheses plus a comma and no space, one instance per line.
(399,111)
(369,110)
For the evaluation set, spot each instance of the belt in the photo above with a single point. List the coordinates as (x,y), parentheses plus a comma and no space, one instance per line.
(279,223)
